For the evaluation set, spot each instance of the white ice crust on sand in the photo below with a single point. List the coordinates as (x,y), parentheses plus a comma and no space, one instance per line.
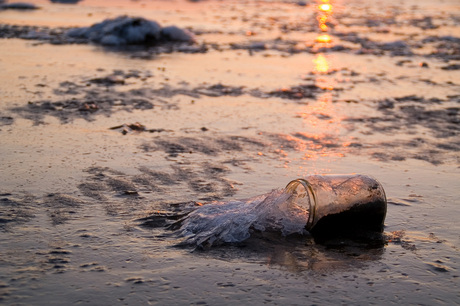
(233,221)
(125,30)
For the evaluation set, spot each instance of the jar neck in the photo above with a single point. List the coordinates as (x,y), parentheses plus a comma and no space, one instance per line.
(302,191)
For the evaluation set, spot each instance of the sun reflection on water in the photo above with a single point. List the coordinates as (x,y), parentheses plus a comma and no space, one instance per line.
(324,15)
(324,38)
(324,123)
(321,64)
(325,7)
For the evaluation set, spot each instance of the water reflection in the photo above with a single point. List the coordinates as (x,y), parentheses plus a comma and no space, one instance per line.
(299,253)
(324,14)
(325,7)
(324,38)
(321,64)
(324,122)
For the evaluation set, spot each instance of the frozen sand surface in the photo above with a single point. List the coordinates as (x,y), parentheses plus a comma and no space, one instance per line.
(226,124)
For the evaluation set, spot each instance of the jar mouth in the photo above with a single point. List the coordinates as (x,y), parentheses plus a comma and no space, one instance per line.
(306,192)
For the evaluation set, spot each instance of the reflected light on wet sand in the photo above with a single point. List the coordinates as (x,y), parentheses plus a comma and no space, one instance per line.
(322,68)
(325,39)
(321,64)
(324,123)
(324,12)
(325,7)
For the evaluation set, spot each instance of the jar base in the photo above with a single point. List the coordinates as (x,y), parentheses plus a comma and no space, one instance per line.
(360,221)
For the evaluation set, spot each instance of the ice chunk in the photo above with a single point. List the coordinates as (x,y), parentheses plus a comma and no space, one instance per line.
(112,40)
(126,30)
(177,34)
(119,31)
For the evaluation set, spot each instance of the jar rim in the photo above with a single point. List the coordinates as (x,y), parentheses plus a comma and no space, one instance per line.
(292,185)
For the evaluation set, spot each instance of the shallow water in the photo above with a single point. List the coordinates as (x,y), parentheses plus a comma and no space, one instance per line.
(243,118)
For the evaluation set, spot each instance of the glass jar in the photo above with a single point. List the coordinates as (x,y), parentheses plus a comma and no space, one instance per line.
(340,204)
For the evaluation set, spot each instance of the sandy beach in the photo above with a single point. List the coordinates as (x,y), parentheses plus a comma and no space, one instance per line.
(97,133)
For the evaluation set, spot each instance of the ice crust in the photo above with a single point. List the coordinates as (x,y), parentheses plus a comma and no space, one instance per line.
(125,30)
(233,221)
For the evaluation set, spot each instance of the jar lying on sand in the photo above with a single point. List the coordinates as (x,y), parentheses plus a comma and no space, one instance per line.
(328,206)
(340,204)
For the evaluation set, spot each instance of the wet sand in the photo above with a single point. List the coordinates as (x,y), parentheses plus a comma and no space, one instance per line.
(95,138)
